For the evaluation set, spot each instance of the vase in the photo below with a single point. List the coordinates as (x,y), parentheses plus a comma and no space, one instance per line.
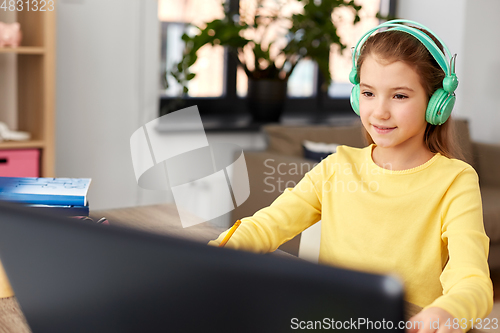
(266,99)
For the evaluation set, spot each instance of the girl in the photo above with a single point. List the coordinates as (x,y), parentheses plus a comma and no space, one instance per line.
(418,210)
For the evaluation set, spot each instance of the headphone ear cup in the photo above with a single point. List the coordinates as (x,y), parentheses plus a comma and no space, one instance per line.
(439,107)
(353,76)
(355,92)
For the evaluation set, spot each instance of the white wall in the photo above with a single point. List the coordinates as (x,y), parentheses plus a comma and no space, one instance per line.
(107,75)
(468,28)
(481,100)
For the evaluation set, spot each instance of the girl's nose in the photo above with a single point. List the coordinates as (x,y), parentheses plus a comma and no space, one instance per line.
(381,111)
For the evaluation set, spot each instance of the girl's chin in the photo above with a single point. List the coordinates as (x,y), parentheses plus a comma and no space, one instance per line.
(383,144)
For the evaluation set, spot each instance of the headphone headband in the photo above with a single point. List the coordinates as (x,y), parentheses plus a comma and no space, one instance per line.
(437,54)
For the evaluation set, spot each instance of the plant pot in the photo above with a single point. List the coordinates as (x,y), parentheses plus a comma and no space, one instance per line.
(266,99)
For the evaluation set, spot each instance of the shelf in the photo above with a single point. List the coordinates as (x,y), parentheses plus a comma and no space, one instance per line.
(21,144)
(29,82)
(23,50)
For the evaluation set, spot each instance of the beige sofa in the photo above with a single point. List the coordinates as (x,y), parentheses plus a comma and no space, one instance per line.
(281,165)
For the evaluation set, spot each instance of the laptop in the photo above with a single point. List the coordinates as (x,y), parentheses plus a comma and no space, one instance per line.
(72,276)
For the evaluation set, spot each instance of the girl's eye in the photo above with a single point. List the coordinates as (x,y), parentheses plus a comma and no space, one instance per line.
(367,94)
(399,96)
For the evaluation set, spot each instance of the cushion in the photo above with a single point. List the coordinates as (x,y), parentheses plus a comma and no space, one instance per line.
(488,159)
(317,151)
(491,212)
(288,140)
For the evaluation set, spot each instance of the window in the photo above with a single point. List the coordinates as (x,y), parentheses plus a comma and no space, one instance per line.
(174,15)
(220,85)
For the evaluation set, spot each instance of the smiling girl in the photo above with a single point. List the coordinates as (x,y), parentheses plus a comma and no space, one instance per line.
(423,219)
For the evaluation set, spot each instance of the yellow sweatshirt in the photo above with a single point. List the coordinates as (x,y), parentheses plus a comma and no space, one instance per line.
(424,224)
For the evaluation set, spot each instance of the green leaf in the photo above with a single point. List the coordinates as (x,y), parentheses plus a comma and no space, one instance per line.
(192,59)
(175,76)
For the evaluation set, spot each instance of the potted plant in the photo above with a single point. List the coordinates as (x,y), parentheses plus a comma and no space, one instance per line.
(268,60)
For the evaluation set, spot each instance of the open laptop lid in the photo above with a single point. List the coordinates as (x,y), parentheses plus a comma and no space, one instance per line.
(70,276)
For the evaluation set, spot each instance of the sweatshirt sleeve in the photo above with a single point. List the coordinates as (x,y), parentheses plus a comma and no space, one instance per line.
(467,287)
(291,213)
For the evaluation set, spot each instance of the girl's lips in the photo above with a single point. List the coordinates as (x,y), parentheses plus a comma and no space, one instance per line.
(383,129)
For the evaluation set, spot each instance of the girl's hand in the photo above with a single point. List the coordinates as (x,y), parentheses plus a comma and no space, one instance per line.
(434,320)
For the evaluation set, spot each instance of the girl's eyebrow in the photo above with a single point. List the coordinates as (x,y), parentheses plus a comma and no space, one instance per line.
(402,88)
(395,88)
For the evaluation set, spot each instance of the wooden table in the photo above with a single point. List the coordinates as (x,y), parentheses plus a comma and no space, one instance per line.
(164,219)
(160,219)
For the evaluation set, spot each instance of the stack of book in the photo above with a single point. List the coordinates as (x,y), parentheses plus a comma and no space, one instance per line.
(65,196)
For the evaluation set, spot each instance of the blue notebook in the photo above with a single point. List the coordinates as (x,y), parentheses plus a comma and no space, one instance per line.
(64,210)
(45,191)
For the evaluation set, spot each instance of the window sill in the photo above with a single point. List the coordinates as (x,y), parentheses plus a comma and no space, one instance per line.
(244,123)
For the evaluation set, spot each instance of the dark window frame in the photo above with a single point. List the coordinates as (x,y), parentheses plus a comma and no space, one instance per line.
(318,106)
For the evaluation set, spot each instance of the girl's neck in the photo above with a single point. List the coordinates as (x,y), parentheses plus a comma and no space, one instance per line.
(399,158)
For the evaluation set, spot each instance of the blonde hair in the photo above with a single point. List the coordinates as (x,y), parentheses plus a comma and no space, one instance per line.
(396,45)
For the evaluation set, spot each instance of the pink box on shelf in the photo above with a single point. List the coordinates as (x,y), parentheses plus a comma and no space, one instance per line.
(20,163)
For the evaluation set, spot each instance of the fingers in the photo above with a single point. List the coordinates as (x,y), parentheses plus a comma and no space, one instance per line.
(413,328)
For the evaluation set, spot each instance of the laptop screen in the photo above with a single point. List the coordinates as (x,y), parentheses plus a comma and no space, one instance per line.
(71,276)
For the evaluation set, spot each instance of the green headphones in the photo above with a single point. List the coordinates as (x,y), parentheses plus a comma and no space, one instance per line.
(442,101)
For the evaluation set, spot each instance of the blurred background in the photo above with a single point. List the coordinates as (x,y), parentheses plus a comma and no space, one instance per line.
(111,57)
